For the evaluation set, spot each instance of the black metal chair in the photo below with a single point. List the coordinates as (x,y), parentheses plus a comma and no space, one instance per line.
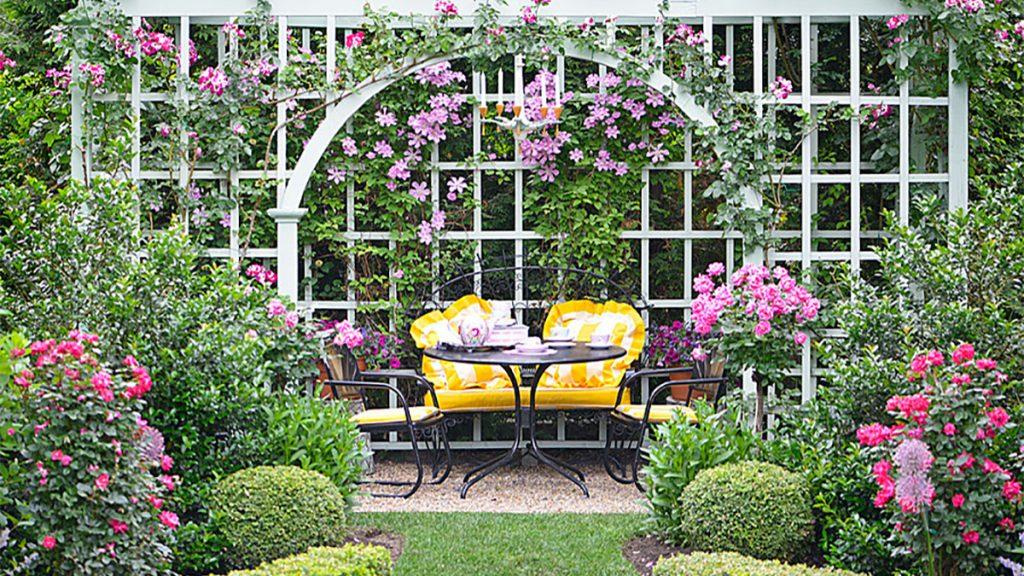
(629,422)
(417,421)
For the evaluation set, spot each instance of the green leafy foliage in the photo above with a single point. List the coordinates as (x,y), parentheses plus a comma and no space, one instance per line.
(732,564)
(949,278)
(817,440)
(34,131)
(752,508)
(269,512)
(306,432)
(680,449)
(349,560)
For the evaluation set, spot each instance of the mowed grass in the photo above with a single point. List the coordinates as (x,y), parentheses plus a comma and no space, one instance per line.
(470,544)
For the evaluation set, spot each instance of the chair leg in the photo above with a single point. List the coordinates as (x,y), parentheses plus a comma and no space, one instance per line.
(419,474)
(637,456)
(610,460)
(443,433)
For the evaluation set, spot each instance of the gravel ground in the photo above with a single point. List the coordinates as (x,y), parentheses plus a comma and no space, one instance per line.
(519,488)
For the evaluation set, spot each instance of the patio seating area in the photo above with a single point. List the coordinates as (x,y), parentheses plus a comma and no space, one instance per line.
(544,287)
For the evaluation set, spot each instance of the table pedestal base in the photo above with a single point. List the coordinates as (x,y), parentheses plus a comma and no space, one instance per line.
(483,470)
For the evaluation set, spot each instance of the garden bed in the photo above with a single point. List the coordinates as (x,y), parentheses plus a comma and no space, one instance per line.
(645,551)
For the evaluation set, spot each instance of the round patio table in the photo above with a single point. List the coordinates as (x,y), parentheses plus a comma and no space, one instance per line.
(507,359)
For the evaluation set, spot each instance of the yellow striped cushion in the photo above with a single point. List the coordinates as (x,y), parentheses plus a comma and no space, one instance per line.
(393,415)
(583,318)
(436,326)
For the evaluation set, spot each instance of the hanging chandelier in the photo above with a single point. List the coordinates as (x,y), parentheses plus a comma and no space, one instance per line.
(519,122)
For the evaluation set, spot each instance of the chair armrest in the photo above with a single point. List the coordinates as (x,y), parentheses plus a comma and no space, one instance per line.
(373,386)
(633,377)
(408,375)
(693,381)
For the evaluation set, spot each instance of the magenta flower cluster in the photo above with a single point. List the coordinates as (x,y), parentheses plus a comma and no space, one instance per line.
(89,451)
(940,450)
(377,349)
(755,292)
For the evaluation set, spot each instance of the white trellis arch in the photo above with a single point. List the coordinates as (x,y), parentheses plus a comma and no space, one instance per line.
(289,211)
(755,32)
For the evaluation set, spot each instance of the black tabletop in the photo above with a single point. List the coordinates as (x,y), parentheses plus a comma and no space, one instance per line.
(579,354)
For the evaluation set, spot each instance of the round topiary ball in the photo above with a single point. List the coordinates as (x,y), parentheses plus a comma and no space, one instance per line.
(752,508)
(269,512)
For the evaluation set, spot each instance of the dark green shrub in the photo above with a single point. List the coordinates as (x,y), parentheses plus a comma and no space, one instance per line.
(269,512)
(349,560)
(753,508)
(732,564)
(679,450)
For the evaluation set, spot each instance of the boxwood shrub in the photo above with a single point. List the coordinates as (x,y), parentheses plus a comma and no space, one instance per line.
(732,564)
(349,560)
(269,512)
(752,508)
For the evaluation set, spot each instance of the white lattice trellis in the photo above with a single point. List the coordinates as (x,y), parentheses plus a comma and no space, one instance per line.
(727,18)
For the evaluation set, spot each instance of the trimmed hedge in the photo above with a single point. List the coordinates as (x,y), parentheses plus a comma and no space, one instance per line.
(349,560)
(732,564)
(752,508)
(269,512)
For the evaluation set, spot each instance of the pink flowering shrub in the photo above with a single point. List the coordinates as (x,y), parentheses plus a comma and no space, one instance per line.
(953,506)
(95,476)
(377,349)
(762,317)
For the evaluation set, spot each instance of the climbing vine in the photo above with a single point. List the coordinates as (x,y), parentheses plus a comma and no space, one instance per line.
(583,178)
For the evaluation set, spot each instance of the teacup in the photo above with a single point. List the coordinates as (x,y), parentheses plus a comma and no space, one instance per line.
(559,333)
(600,339)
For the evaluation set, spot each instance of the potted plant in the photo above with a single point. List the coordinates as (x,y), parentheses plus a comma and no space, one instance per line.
(670,347)
(758,320)
(351,350)
(676,345)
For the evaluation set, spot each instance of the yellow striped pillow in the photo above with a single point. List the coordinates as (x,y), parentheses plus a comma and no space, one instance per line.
(582,318)
(436,326)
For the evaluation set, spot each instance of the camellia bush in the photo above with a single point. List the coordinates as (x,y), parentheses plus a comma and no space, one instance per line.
(953,506)
(94,477)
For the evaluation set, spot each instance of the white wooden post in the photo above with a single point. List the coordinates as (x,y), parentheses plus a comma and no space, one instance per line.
(958,136)
(287,249)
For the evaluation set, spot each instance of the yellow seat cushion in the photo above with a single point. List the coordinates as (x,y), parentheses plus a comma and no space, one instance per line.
(437,326)
(582,318)
(394,415)
(480,400)
(659,412)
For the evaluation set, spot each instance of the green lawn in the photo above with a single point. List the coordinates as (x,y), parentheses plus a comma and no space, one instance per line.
(467,544)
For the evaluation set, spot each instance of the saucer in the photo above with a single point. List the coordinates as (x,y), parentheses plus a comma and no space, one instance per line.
(542,349)
(559,339)
(604,346)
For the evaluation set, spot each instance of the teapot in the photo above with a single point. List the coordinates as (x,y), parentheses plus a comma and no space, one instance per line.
(474,330)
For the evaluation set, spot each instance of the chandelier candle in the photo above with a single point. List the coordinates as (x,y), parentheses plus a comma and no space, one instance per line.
(500,105)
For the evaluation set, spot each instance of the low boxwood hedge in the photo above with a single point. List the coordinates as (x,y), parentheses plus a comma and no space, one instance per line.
(751,508)
(732,564)
(270,512)
(349,560)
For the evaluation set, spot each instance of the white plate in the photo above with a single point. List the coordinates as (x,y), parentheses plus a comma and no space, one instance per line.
(598,346)
(543,352)
(561,343)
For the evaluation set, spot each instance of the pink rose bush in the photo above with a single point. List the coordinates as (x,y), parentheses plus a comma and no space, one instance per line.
(757,319)
(953,506)
(92,466)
